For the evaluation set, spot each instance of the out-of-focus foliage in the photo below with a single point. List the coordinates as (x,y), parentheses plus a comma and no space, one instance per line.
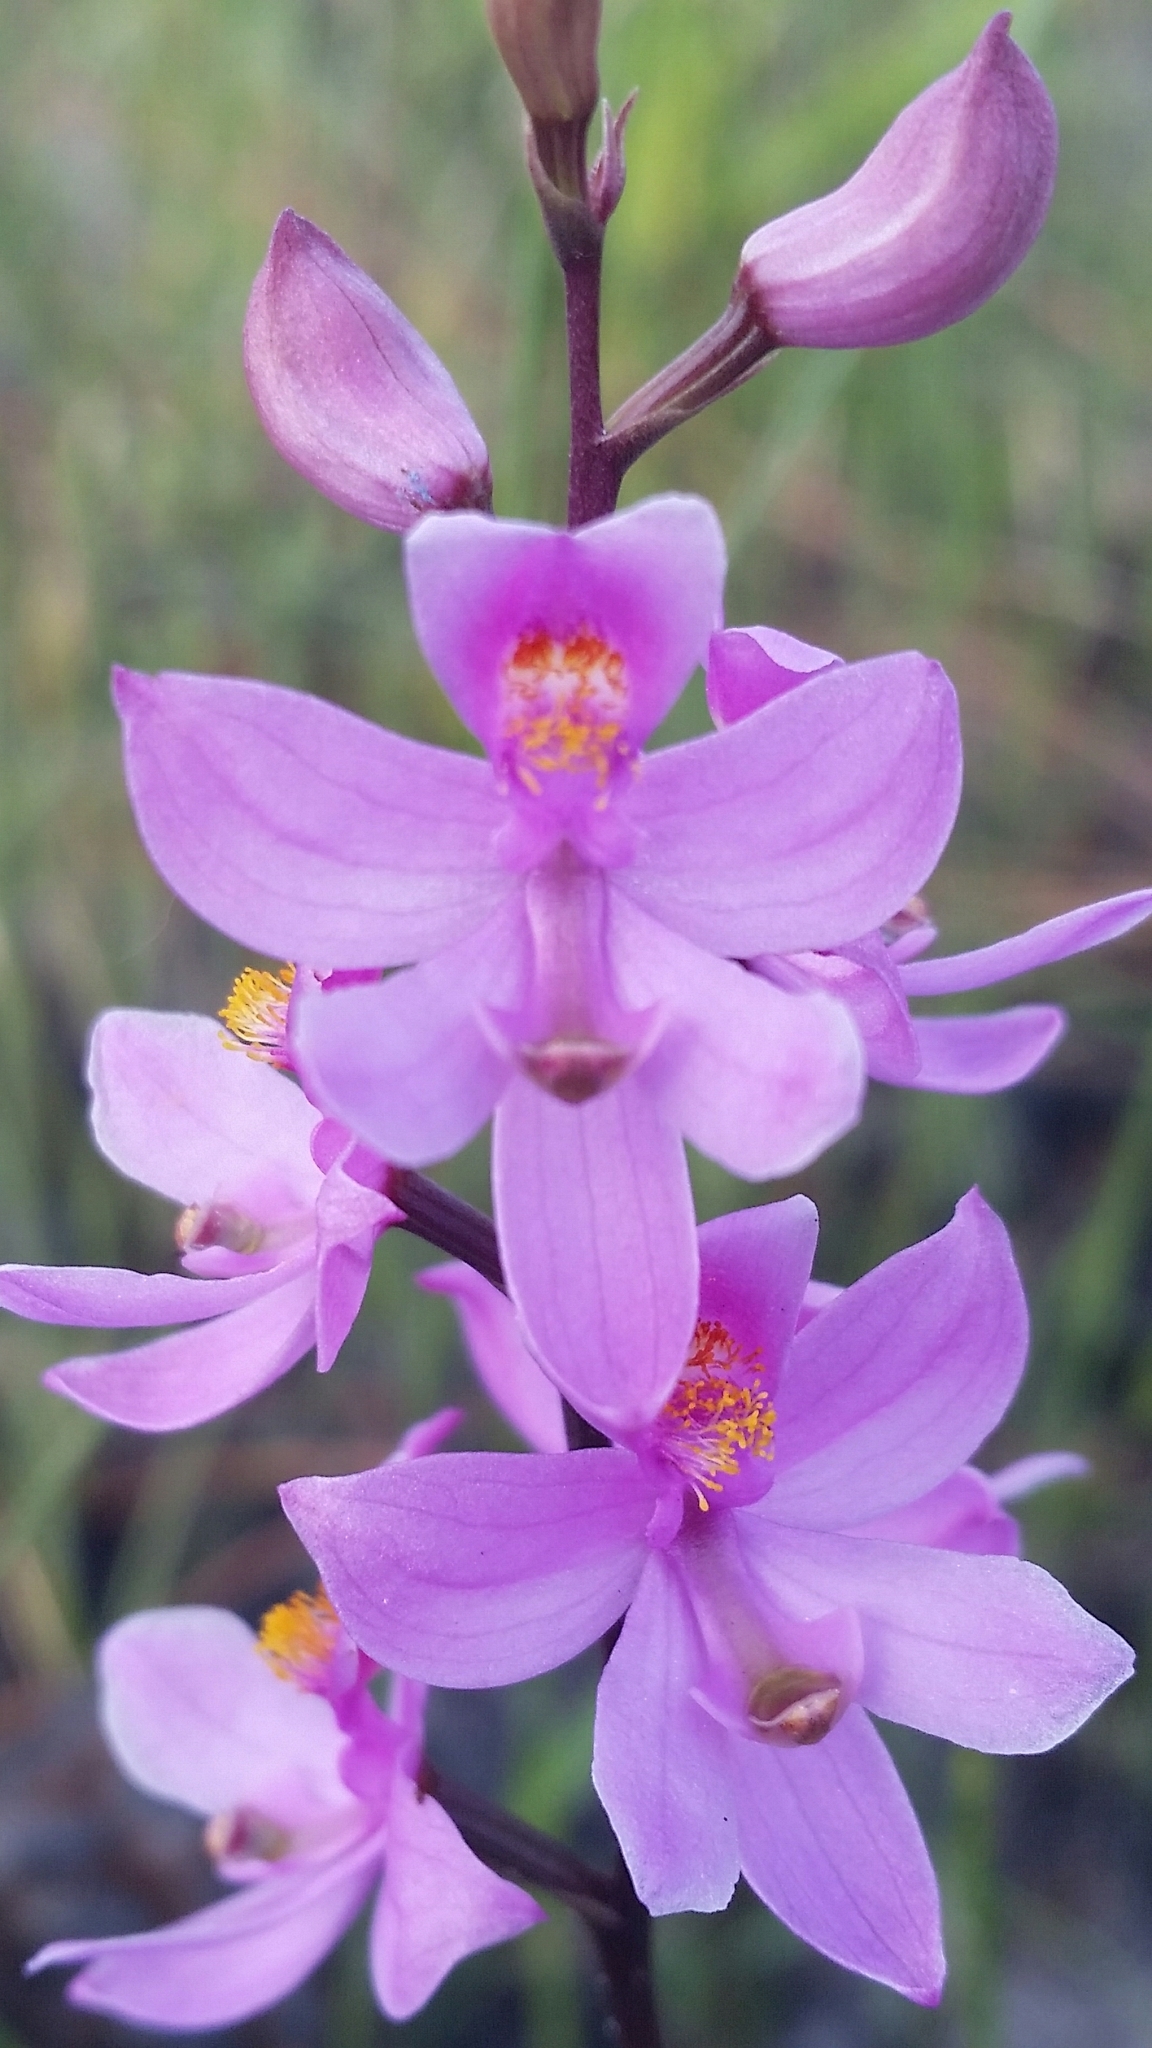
(986,495)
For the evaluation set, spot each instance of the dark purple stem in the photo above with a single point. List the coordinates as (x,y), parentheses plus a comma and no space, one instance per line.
(594,472)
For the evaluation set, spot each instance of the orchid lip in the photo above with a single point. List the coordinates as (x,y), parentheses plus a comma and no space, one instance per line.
(245,1831)
(206,1226)
(792,1707)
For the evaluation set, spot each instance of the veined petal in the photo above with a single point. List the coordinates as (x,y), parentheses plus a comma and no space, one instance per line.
(506,1367)
(895,1384)
(192,1713)
(302,830)
(174,1108)
(829,1841)
(985,1651)
(350,393)
(112,1298)
(648,583)
(949,202)
(598,1237)
(405,1062)
(808,823)
(759,1079)
(478,1569)
(661,1765)
(1057,939)
(979,1055)
(438,1904)
(179,1381)
(749,665)
(231,1960)
(754,1268)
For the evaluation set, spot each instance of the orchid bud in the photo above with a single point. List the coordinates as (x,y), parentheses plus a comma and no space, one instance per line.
(549,49)
(949,202)
(350,394)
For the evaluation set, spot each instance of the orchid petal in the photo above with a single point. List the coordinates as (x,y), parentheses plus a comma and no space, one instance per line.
(962,1513)
(438,1904)
(754,1268)
(949,202)
(349,1218)
(749,665)
(648,582)
(478,1569)
(596,1226)
(174,1108)
(506,1367)
(661,1766)
(297,828)
(193,1375)
(985,1651)
(350,393)
(192,1713)
(829,1841)
(761,1080)
(112,1298)
(1026,1475)
(808,823)
(1058,938)
(980,1055)
(223,1964)
(405,1062)
(896,1383)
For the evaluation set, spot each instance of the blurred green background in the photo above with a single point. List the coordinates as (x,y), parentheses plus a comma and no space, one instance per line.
(986,495)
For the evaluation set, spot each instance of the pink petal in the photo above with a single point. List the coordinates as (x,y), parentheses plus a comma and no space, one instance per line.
(979,1055)
(188,1378)
(661,1765)
(1026,1475)
(219,1966)
(896,1383)
(949,202)
(174,1108)
(1057,939)
(598,1239)
(304,831)
(761,1080)
(111,1298)
(478,1569)
(349,1218)
(861,977)
(405,1061)
(438,1904)
(754,1268)
(192,1713)
(808,823)
(350,393)
(648,582)
(985,1651)
(962,1513)
(829,1840)
(749,665)
(506,1367)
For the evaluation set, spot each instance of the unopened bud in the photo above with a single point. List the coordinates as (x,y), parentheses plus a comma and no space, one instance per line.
(350,394)
(575,1069)
(549,49)
(206,1226)
(793,1707)
(949,202)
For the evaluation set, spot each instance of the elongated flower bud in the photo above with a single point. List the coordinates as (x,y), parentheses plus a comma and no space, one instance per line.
(949,202)
(348,391)
(549,50)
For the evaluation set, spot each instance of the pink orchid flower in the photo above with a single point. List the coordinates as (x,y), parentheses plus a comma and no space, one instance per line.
(874,974)
(945,208)
(795,1542)
(349,393)
(312,1803)
(281,1210)
(573,906)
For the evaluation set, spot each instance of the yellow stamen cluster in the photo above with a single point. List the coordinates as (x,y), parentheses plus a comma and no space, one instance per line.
(255,1017)
(299,1636)
(717,1411)
(565,706)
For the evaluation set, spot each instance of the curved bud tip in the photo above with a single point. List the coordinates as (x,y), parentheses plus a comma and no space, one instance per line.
(549,51)
(350,394)
(941,213)
(793,1707)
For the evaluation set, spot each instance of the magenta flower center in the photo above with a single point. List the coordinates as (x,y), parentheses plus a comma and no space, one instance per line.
(718,1418)
(565,702)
